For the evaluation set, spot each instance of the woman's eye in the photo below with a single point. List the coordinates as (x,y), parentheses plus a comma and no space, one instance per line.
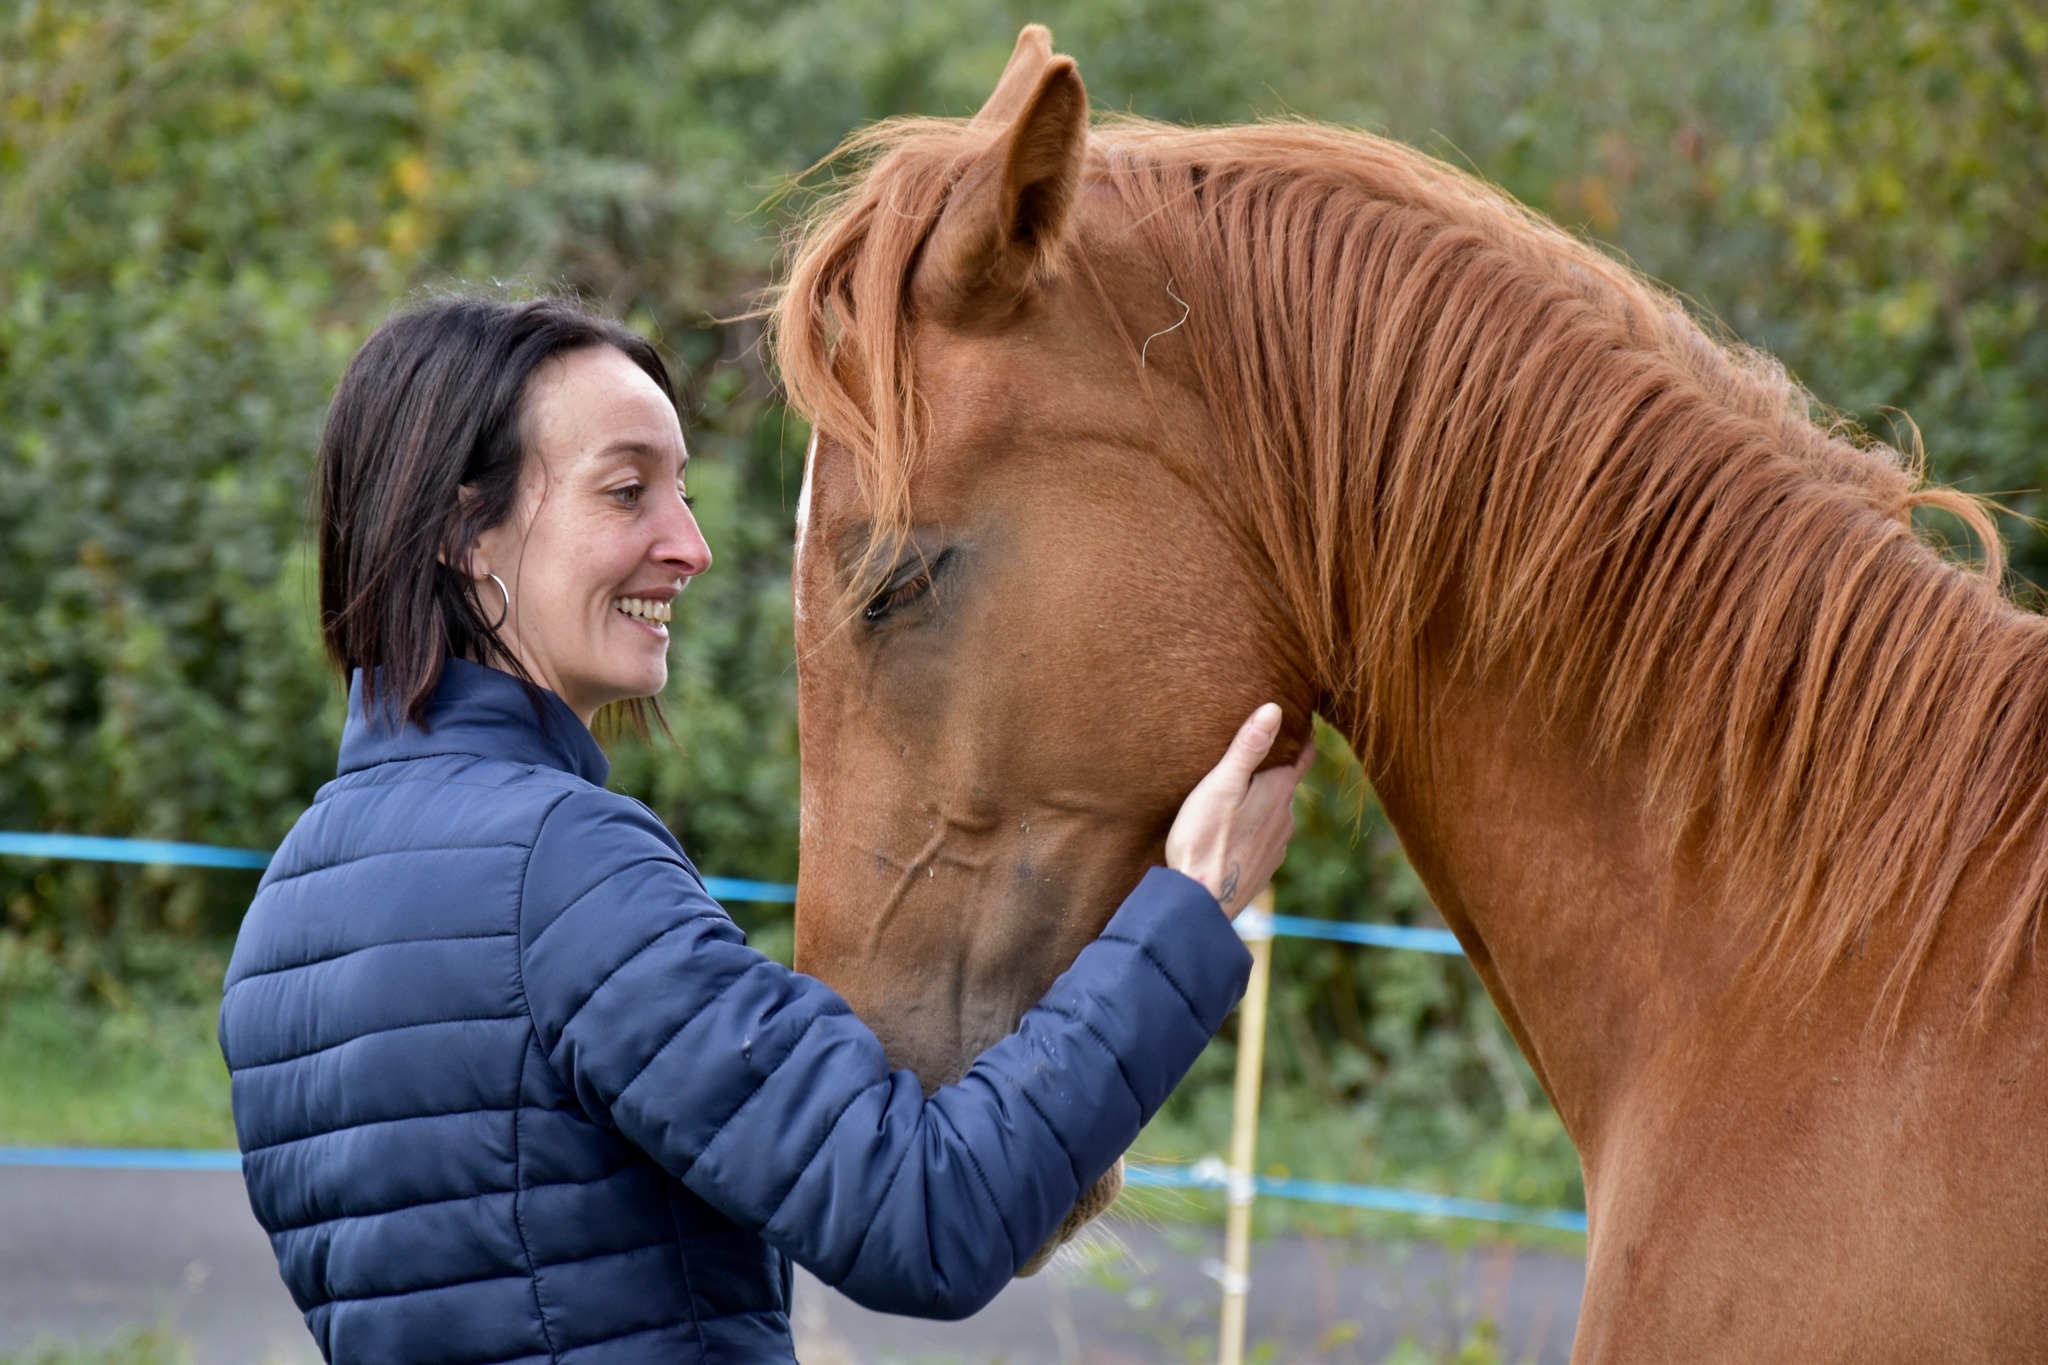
(629,496)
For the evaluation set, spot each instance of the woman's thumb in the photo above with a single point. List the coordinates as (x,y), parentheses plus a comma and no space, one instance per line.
(1254,740)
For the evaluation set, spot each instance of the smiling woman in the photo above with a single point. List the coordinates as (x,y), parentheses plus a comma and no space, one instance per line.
(503,483)
(508,1083)
(602,541)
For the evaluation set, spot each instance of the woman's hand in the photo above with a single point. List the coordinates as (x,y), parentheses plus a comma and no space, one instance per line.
(1233,829)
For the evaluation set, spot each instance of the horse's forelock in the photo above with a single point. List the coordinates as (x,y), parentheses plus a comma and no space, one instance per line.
(841,324)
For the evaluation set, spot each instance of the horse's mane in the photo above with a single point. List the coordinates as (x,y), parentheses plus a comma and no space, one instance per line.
(1439,408)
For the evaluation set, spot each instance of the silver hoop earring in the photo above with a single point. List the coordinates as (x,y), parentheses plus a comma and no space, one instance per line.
(507,610)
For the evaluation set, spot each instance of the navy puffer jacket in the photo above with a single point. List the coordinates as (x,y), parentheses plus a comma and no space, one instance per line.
(510,1086)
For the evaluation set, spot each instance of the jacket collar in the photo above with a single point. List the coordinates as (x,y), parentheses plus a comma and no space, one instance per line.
(479,711)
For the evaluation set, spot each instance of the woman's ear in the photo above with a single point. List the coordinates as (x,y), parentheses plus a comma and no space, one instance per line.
(471,565)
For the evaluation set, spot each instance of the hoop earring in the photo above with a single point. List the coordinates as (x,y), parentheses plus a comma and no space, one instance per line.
(507,609)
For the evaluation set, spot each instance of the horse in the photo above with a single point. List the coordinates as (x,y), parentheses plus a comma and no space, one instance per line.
(1733,787)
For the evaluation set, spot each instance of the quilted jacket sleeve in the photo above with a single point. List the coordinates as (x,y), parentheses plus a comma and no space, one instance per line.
(760,1090)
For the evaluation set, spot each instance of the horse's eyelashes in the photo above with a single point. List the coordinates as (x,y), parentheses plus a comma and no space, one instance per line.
(897,597)
(908,584)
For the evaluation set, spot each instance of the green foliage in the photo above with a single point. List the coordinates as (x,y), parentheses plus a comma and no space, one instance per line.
(1480,1346)
(1910,181)
(150,1347)
(206,204)
(117,1061)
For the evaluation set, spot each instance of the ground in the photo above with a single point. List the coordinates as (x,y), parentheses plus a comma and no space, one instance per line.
(169,1268)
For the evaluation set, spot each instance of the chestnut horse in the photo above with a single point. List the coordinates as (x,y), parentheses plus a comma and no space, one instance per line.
(1735,791)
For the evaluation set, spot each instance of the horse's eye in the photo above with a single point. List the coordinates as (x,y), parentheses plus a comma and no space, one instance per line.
(908,584)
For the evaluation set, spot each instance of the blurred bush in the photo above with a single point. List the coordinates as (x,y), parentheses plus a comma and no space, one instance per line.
(206,204)
(1909,182)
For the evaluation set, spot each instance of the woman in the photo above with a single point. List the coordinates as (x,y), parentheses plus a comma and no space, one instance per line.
(508,1083)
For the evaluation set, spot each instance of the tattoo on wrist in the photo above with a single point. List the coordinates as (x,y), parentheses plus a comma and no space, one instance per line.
(1228,891)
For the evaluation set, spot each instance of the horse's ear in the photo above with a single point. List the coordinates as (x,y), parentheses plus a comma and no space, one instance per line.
(1008,211)
(1031,56)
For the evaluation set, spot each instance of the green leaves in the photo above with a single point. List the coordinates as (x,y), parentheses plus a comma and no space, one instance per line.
(1910,178)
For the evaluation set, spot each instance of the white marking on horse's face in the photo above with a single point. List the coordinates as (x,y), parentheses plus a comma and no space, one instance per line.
(803,525)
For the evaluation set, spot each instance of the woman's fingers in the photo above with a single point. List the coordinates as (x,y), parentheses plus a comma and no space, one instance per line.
(1250,745)
(1233,829)
(1270,805)
(1285,778)
(1273,789)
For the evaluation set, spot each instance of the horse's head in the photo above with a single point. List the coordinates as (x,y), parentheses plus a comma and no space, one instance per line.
(1027,620)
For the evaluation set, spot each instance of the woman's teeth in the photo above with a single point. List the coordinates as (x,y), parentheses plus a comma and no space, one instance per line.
(646,608)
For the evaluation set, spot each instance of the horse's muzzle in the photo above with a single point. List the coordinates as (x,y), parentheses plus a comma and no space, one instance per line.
(1094,1201)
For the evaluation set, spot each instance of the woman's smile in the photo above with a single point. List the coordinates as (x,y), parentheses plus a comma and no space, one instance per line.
(650,612)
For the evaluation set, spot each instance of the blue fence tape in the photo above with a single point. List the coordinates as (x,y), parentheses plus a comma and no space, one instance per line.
(94,849)
(122,1158)
(98,849)
(734,889)
(1135,1173)
(1360,1197)
(1372,935)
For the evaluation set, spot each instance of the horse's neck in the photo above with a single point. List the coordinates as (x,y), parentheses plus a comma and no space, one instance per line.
(1599,947)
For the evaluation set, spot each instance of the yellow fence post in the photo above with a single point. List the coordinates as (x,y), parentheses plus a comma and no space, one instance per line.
(1255,927)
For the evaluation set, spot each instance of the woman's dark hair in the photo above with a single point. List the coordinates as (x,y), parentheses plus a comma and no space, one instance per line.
(434,401)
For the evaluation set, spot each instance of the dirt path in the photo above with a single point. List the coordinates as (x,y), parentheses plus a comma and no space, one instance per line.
(86,1253)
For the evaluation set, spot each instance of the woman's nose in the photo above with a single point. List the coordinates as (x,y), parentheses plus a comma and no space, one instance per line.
(682,546)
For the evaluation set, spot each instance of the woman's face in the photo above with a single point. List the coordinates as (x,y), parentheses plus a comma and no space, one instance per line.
(601,540)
